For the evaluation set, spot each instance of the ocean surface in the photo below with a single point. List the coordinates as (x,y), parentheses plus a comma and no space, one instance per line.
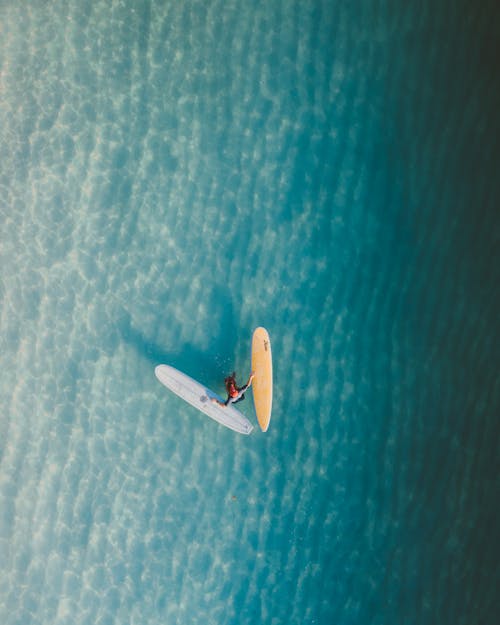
(174,174)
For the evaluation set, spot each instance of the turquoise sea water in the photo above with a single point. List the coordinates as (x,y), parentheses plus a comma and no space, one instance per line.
(173,174)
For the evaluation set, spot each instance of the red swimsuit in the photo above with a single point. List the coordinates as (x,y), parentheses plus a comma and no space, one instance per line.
(232,390)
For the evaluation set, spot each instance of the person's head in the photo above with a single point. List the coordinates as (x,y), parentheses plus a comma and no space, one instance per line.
(231,385)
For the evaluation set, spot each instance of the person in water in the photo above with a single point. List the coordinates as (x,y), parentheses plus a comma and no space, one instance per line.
(234,393)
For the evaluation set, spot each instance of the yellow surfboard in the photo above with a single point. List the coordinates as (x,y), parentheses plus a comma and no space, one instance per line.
(262,385)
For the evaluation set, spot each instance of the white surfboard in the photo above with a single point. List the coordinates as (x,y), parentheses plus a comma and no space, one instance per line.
(200,397)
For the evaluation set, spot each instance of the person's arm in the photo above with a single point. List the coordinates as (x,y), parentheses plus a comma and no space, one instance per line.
(249,382)
(214,400)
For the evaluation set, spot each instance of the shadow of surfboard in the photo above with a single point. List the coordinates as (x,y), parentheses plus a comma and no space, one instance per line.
(210,365)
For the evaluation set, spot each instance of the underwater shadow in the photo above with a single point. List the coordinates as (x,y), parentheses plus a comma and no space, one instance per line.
(208,364)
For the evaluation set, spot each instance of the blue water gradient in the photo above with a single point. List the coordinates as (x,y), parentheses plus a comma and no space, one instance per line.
(174,174)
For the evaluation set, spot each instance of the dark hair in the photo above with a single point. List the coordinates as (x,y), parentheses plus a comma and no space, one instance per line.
(230,378)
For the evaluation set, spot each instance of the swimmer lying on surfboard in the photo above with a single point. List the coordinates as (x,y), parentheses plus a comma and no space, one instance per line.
(234,393)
